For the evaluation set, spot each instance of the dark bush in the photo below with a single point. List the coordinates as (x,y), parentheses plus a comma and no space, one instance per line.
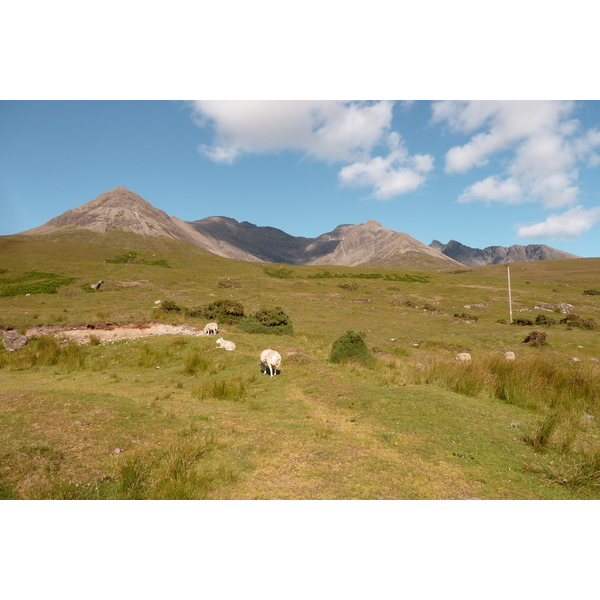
(523,322)
(223,311)
(545,320)
(267,320)
(465,317)
(351,347)
(592,292)
(577,321)
(536,339)
(170,306)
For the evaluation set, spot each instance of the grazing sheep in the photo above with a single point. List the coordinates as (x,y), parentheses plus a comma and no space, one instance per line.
(509,355)
(211,328)
(271,360)
(463,357)
(225,344)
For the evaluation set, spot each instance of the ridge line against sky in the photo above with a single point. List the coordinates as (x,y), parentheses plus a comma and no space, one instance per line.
(480,172)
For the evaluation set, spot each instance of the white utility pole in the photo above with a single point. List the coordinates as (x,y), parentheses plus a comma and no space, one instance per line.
(509,294)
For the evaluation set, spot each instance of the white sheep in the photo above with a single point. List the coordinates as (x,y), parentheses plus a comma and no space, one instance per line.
(270,360)
(225,344)
(211,328)
(509,355)
(463,357)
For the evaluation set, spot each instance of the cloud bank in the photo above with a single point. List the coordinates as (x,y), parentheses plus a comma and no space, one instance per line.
(566,226)
(544,145)
(329,131)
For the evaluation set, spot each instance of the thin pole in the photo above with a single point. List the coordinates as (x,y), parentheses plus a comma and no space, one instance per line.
(509,294)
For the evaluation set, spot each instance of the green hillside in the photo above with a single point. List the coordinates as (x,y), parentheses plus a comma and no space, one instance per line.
(176,417)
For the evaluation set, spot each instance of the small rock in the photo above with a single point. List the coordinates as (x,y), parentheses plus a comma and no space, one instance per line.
(13,340)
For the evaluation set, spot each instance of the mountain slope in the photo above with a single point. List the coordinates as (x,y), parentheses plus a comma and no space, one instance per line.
(493,255)
(124,210)
(371,244)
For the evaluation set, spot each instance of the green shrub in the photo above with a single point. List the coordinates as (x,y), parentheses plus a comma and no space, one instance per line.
(545,321)
(269,321)
(577,321)
(351,347)
(223,311)
(465,317)
(170,306)
(592,292)
(523,322)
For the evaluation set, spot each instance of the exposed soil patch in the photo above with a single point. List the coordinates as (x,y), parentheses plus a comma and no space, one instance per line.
(110,332)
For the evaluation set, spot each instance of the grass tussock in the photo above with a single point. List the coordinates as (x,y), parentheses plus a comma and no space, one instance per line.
(177,473)
(233,388)
(46,351)
(533,382)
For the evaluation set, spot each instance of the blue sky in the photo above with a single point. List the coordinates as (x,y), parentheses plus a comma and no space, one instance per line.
(483,172)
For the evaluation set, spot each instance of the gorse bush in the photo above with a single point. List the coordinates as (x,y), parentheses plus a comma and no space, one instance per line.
(170,306)
(536,339)
(351,347)
(545,320)
(224,311)
(577,321)
(269,321)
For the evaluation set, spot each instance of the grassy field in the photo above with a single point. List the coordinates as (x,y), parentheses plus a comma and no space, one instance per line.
(173,417)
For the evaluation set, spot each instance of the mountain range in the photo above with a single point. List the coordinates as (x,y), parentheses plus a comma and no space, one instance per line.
(368,244)
(493,255)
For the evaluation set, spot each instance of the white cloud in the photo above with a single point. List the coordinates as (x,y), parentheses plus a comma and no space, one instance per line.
(546,147)
(493,189)
(566,226)
(398,173)
(328,130)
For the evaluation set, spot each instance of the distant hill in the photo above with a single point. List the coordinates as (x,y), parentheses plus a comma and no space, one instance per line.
(493,255)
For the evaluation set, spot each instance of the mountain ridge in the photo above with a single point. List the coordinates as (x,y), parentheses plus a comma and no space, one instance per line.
(493,255)
(367,244)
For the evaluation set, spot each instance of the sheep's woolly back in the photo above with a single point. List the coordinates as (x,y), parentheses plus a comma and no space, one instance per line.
(225,344)
(270,360)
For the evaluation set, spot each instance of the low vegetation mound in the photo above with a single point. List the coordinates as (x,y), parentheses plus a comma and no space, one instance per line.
(536,339)
(33,282)
(267,320)
(351,347)
(574,320)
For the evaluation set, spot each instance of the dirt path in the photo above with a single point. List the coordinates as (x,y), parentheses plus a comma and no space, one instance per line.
(110,332)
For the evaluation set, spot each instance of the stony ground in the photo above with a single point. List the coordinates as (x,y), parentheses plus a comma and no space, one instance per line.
(110,332)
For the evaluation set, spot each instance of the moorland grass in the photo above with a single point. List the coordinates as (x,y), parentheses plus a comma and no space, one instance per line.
(192,421)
